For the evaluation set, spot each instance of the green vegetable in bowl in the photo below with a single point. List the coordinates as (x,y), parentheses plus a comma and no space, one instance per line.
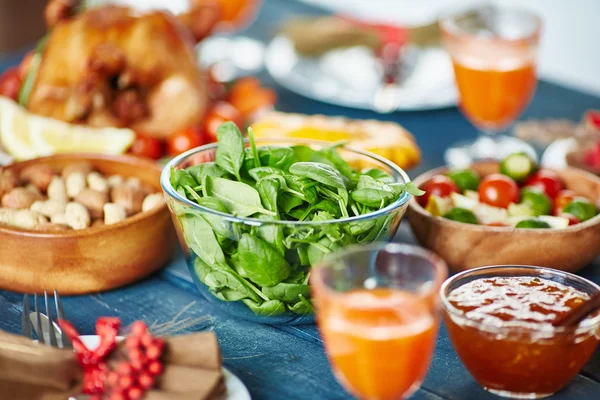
(533,224)
(518,166)
(265,263)
(465,179)
(461,215)
(536,200)
(581,208)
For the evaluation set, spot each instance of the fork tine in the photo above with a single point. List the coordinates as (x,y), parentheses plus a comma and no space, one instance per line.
(38,319)
(25,323)
(60,314)
(51,332)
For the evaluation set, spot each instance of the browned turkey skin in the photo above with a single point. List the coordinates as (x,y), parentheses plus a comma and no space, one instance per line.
(112,66)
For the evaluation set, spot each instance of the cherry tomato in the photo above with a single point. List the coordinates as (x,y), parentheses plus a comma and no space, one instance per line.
(547,181)
(220,112)
(146,146)
(573,220)
(10,83)
(184,140)
(498,190)
(563,198)
(440,185)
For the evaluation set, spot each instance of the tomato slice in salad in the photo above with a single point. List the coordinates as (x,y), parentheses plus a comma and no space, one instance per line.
(439,185)
(498,190)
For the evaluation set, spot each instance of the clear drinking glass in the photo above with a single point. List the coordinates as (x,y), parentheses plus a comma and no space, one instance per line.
(493,51)
(377,311)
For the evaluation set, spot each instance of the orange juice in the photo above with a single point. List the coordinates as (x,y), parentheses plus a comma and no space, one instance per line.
(378,341)
(493,97)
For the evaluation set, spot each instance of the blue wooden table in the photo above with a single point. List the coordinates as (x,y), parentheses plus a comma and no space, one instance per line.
(279,362)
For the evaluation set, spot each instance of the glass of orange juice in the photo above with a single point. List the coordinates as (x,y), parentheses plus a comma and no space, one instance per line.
(377,311)
(493,51)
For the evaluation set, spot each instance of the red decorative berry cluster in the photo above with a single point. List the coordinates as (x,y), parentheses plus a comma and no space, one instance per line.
(137,372)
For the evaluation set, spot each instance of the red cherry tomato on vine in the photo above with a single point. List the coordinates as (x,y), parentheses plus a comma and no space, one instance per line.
(10,83)
(498,190)
(220,112)
(440,185)
(146,146)
(184,140)
(563,198)
(547,181)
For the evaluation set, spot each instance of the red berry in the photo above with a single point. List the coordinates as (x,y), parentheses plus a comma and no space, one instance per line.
(117,396)
(146,339)
(135,393)
(136,355)
(138,328)
(132,342)
(112,378)
(153,352)
(155,368)
(126,381)
(146,380)
(124,368)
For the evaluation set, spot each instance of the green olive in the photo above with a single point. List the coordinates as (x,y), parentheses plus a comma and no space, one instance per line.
(537,201)
(581,208)
(462,215)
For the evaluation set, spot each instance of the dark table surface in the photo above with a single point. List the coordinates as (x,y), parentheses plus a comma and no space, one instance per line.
(284,362)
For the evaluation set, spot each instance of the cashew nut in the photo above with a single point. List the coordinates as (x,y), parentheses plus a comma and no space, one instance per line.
(25,219)
(114,213)
(76,215)
(97,182)
(60,219)
(114,180)
(152,200)
(49,207)
(75,183)
(93,200)
(57,189)
(38,174)
(20,198)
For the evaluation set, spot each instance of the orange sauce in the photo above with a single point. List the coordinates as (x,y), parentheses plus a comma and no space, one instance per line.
(491,97)
(517,349)
(379,341)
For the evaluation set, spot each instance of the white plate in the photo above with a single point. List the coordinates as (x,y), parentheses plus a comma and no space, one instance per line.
(235,388)
(350,77)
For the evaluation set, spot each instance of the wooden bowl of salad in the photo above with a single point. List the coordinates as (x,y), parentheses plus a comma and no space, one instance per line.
(508,213)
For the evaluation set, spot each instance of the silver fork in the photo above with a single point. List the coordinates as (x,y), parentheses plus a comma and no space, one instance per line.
(44,330)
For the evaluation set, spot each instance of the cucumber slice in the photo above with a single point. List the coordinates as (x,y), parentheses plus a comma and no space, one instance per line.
(520,210)
(518,166)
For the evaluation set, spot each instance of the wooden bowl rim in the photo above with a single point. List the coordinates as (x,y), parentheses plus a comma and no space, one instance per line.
(424,177)
(92,230)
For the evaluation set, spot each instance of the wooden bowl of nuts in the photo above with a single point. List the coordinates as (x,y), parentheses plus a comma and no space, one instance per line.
(81,223)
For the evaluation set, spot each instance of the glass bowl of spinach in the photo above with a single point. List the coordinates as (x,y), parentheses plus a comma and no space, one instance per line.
(254,216)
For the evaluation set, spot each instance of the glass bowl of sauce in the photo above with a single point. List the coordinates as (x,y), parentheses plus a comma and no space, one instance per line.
(499,320)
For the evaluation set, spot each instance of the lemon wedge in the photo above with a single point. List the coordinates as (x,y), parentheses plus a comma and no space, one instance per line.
(386,139)
(25,135)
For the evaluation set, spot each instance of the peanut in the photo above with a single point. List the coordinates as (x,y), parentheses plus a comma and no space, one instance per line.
(60,219)
(25,219)
(75,183)
(20,198)
(8,181)
(76,215)
(57,190)
(81,167)
(97,182)
(39,175)
(115,180)
(114,213)
(93,200)
(129,197)
(152,200)
(50,207)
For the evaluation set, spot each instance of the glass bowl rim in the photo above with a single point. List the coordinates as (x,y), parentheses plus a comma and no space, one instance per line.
(593,323)
(448,24)
(170,191)
(439,265)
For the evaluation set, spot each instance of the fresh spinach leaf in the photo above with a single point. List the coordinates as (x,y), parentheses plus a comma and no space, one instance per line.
(200,238)
(408,187)
(230,149)
(264,265)
(375,198)
(378,174)
(268,190)
(239,198)
(255,156)
(287,292)
(323,173)
(288,202)
(205,169)
(268,308)
(272,234)
(180,178)
(303,306)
